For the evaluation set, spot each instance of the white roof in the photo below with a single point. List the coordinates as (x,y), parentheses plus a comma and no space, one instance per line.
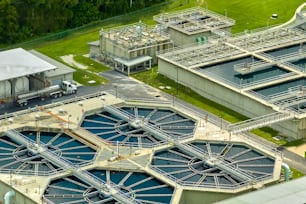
(19,62)
(134,61)
(61,68)
(292,192)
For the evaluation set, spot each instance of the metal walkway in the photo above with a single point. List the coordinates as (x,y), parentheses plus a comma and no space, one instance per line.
(292,97)
(191,150)
(109,189)
(258,122)
(268,61)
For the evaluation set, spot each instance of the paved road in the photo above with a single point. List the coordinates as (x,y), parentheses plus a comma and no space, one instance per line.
(123,85)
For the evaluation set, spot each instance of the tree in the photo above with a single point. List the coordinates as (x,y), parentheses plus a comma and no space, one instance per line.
(84,12)
(8,23)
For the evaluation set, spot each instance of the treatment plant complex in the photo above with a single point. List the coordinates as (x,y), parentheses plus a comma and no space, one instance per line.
(108,148)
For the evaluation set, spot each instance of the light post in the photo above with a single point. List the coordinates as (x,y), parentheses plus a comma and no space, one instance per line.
(268,22)
(225,12)
(176,81)
(206,5)
(37,129)
(118,154)
(68,121)
(116,89)
(173,98)
(11,176)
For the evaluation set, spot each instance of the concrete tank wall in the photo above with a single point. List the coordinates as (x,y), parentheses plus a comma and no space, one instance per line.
(229,98)
(180,38)
(196,197)
(57,80)
(5,89)
(94,51)
(19,197)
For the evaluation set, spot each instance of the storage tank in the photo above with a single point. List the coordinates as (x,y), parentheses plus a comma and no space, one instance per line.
(22,85)
(5,89)
(41,92)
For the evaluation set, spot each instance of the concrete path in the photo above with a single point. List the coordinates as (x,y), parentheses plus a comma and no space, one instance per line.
(293,17)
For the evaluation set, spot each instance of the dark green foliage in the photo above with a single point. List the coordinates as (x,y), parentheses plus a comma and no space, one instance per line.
(8,22)
(24,19)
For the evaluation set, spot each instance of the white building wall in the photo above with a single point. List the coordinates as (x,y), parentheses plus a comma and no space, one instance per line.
(5,89)
(22,85)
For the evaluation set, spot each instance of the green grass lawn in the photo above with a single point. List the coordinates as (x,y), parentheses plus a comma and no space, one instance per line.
(295,173)
(251,14)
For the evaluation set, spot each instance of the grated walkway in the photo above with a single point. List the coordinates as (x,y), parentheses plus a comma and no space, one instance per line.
(85,176)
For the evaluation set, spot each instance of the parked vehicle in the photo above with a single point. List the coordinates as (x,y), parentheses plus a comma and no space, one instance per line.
(54,91)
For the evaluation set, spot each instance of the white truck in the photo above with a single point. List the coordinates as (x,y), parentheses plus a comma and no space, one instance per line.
(54,91)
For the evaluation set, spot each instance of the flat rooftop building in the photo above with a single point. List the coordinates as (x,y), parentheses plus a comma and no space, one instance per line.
(194,25)
(130,48)
(23,71)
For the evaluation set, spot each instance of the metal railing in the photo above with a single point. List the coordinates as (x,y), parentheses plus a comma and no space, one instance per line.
(260,121)
(292,66)
(31,172)
(249,67)
(269,79)
(221,79)
(176,141)
(202,185)
(286,94)
(52,105)
(255,141)
(136,144)
(160,17)
(258,95)
(68,165)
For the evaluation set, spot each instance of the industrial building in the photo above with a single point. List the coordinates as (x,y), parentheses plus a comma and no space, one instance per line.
(24,71)
(194,25)
(130,48)
(102,149)
(133,48)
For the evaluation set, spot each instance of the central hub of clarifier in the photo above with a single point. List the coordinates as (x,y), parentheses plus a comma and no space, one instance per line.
(33,149)
(136,123)
(212,161)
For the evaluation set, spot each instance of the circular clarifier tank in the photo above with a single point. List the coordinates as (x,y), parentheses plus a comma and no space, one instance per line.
(65,146)
(139,186)
(113,128)
(22,159)
(223,165)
